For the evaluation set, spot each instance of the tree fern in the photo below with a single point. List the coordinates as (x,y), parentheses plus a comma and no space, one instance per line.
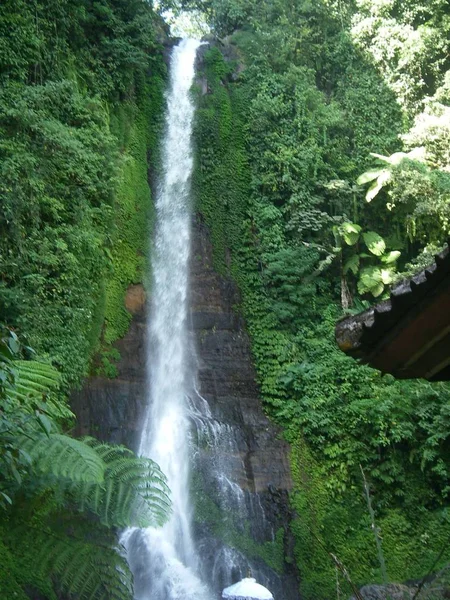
(33,379)
(88,569)
(33,384)
(134,491)
(63,457)
(86,477)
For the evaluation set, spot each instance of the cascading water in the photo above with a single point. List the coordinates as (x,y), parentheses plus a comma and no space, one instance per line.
(164,561)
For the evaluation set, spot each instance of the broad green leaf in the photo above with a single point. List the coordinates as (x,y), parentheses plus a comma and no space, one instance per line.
(387,276)
(350,233)
(14,345)
(369,176)
(390,257)
(371,281)
(374,242)
(395,159)
(377,185)
(373,191)
(386,159)
(377,290)
(352,264)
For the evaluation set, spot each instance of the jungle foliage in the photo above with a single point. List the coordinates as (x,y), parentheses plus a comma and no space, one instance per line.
(81,92)
(61,498)
(323,174)
(80,105)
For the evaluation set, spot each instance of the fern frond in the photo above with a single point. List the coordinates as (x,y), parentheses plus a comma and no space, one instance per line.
(108,452)
(134,492)
(85,570)
(33,379)
(63,457)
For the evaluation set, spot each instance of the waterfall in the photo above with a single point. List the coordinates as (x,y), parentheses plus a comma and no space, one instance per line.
(212,424)
(164,561)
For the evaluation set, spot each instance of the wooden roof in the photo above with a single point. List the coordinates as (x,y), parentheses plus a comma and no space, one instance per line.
(409,334)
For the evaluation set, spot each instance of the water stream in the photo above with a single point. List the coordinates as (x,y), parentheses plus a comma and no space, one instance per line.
(164,561)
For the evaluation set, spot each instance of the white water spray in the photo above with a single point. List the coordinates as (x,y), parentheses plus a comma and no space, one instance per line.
(164,561)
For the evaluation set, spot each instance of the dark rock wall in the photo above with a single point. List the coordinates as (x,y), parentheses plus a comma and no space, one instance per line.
(226,374)
(112,409)
(258,459)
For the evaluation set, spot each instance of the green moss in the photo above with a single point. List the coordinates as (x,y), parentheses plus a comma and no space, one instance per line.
(15,577)
(131,208)
(223,527)
(220,180)
(137,126)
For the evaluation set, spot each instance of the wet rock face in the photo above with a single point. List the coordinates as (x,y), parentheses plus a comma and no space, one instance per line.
(244,447)
(113,409)
(240,460)
(227,379)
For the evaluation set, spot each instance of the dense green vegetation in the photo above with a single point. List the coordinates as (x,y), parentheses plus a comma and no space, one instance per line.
(81,88)
(322,171)
(61,498)
(80,107)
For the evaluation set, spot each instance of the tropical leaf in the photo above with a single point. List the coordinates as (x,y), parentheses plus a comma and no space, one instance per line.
(390,160)
(134,491)
(391,257)
(350,232)
(396,158)
(63,457)
(371,281)
(369,176)
(377,185)
(387,276)
(380,177)
(374,242)
(352,264)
